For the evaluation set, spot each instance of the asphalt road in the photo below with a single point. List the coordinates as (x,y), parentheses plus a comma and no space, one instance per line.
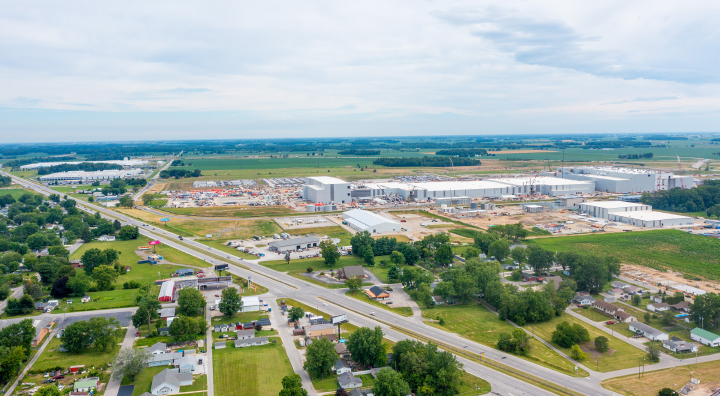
(283,285)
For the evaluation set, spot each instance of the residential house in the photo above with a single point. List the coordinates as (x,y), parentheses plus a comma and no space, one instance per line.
(531,278)
(245,334)
(341,367)
(658,298)
(342,350)
(86,384)
(583,298)
(163,359)
(615,292)
(658,307)
(186,364)
(255,341)
(350,271)
(86,299)
(349,381)
(77,263)
(682,306)
(360,392)
(679,346)
(164,331)
(220,345)
(619,285)
(438,300)
(166,313)
(319,329)
(613,311)
(650,333)
(705,337)
(169,381)
(106,238)
(158,348)
(633,290)
(377,293)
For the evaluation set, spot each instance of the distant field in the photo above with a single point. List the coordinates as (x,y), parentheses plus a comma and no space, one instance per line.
(272,163)
(233,211)
(25,174)
(661,249)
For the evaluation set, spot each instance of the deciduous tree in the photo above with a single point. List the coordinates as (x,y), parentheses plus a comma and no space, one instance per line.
(366,347)
(320,358)
(230,303)
(191,301)
(104,276)
(390,383)
(130,362)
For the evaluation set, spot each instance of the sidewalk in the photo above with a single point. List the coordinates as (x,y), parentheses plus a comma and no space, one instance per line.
(114,384)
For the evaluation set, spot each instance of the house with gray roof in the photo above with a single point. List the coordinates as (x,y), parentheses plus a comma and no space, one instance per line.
(163,359)
(341,366)
(186,364)
(220,345)
(349,381)
(352,270)
(158,348)
(169,381)
(245,334)
(679,346)
(649,332)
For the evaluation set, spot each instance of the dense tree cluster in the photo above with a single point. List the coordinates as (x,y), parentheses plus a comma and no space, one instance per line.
(179,173)
(363,244)
(706,311)
(696,199)
(591,272)
(435,162)
(98,332)
(80,166)
(5,181)
(566,335)
(458,152)
(15,347)
(636,156)
(359,152)
(426,369)
(517,342)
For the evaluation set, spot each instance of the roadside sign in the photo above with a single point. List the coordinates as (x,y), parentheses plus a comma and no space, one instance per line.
(164,219)
(154,243)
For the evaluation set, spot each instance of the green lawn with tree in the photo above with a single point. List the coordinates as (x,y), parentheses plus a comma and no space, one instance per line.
(256,370)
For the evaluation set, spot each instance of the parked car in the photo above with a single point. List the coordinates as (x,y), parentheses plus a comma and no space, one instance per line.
(610,322)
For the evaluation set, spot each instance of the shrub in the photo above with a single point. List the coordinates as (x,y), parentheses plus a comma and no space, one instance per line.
(309,269)
(131,284)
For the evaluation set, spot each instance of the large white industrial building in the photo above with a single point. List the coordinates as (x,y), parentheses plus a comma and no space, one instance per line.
(123,162)
(330,189)
(625,180)
(326,189)
(632,213)
(362,220)
(107,174)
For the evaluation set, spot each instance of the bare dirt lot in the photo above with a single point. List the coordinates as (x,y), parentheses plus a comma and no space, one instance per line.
(653,276)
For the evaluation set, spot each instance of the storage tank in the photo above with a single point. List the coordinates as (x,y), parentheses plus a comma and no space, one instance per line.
(473,205)
(310,208)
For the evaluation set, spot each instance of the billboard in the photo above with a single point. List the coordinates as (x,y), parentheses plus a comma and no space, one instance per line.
(164,219)
(338,319)
(154,243)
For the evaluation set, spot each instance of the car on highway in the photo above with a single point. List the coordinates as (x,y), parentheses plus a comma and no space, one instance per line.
(372,313)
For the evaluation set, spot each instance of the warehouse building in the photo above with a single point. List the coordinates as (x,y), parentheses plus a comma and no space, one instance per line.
(330,189)
(326,189)
(107,174)
(603,209)
(294,244)
(625,180)
(124,162)
(649,218)
(362,220)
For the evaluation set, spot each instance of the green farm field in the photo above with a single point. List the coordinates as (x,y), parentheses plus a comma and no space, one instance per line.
(233,211)
(272,163)
(660,249)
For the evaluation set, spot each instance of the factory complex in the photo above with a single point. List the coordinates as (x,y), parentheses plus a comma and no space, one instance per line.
(624,180)
(124,162)
(632,213)
(108,174)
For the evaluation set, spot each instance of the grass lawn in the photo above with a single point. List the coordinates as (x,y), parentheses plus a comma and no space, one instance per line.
(476,323)
(660,249)
(51,357)
(381,271)
(317,264)
(238,317)
(256,370)
(361,296)
(199,384)
(15,192)
(22,173)
(653,381)
(620,356)
(592,314)
(128,256)
(143,380)
(242,282)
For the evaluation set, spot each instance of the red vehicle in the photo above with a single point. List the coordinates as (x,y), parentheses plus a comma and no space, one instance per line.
(403,221)
(610,322)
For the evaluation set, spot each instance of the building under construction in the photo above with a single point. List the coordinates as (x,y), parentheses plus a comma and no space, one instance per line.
(624,180)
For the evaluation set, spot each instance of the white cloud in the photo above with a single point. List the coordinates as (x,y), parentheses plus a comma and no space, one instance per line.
(336,68)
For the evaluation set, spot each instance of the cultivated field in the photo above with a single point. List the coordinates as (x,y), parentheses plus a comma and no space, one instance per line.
(661,249)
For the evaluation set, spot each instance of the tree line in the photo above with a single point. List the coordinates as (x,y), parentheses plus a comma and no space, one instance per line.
(636,156)
(179,173)
(462,152)
(436,162)
(359,152)
(80,166)
(701,198)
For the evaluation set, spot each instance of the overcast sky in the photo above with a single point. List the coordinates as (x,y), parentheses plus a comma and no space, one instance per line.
(100,70)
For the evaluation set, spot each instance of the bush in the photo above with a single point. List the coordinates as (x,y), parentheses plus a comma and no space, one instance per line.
(309,269)
(601,344)
(92,289)
(322,273)
(131,285)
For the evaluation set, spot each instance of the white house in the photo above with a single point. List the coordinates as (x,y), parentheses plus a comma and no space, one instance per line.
(341,367)
(245,334)
(169,381)
(658,307)
(158,348)
(705,337)
(679,346)
(251,342)
(349,381)
(106,238)
(650,333)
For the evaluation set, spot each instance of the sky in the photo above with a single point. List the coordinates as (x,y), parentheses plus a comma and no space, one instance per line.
(138,70)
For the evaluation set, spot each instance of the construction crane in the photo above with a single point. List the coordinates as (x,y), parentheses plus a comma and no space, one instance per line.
(680,171)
